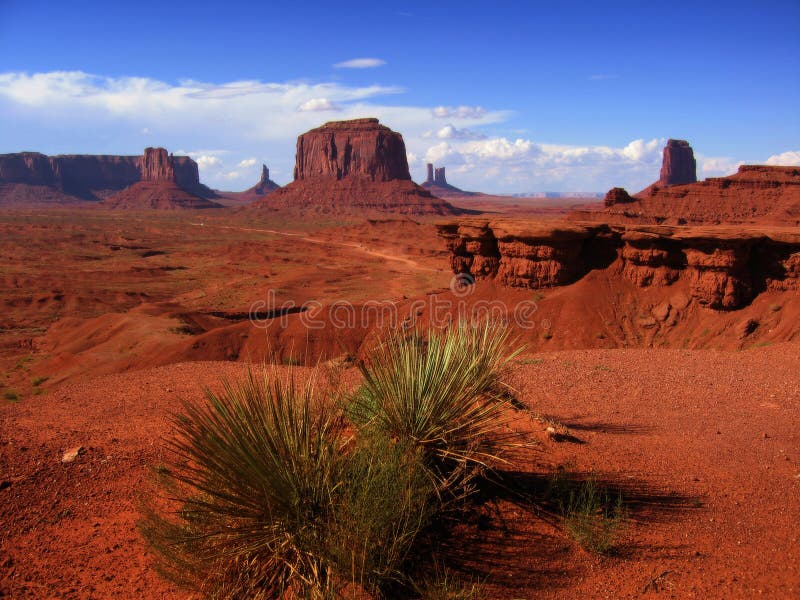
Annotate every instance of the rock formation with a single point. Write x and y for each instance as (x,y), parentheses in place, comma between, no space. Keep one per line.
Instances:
(358,148)
(265,185)
(617,195)
(756,194)
(358,164)
(436,182)
(723,269)
(158,187)
(678,165)
(156,165)
(78,177)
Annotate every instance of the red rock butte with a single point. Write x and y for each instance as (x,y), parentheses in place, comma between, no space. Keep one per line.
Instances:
(756,195)
(158,188)
(357,164)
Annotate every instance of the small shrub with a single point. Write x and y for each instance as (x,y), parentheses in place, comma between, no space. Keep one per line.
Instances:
(774,307)
(37,381)
(255,471)
(593,519)
(443,395)
(547,335)
(11,396)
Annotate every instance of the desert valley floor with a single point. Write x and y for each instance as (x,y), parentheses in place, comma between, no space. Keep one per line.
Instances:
(110,319)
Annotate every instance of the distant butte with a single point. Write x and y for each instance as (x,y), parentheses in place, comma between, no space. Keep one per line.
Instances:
(159,187)
(436,183)
(755,194)
(358,164)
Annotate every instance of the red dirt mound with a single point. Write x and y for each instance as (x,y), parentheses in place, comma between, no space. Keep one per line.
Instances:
(161,195)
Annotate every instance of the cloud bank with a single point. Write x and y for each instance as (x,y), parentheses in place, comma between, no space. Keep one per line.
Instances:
(231,128)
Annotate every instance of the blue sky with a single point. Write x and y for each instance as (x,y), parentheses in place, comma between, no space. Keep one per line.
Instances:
(511,97)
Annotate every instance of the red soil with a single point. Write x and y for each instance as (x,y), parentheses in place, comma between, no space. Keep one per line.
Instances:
(703,446)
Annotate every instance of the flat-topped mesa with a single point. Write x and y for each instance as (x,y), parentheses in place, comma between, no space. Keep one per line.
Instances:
(353,165)
(79,177)
(361,148)
(678,165)
(157,165)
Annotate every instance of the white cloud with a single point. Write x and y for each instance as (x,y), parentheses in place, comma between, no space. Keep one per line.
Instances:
(459,112)
(317,104)
(448,132)
(360,63)
(789,158)
(247,162)
(716,166)
(204,161)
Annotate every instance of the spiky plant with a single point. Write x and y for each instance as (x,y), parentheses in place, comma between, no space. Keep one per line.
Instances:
(254,471)
(443,394)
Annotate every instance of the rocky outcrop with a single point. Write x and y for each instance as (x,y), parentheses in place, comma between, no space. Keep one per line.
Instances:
(756,194)
(678,166)
(353,165)
(436,182)
(724,268)
(156,165)
(95,177)
(617,195)
(265,185)
(159,186)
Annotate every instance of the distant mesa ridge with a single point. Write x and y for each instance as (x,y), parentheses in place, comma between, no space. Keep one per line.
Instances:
(76,177)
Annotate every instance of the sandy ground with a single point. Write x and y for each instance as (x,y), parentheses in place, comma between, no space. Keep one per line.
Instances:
(704,446)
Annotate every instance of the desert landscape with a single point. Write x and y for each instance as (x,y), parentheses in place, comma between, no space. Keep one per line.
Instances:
(353,385)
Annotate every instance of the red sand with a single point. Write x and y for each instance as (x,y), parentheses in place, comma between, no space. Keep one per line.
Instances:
(703,444)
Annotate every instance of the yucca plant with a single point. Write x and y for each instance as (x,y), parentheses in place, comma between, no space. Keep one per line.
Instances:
(255,471)
(443,393)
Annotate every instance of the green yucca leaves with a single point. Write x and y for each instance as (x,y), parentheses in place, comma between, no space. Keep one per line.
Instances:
(275,501)
(258,465)
(443,393)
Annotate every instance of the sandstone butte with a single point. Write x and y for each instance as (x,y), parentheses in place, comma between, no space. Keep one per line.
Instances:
(436,183)
(158,187)
(755,195)
(357,165)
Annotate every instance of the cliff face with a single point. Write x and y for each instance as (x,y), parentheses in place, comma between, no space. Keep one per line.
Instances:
(678,165)
(345,149)
(353,165)
(724,269)
(94,177)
